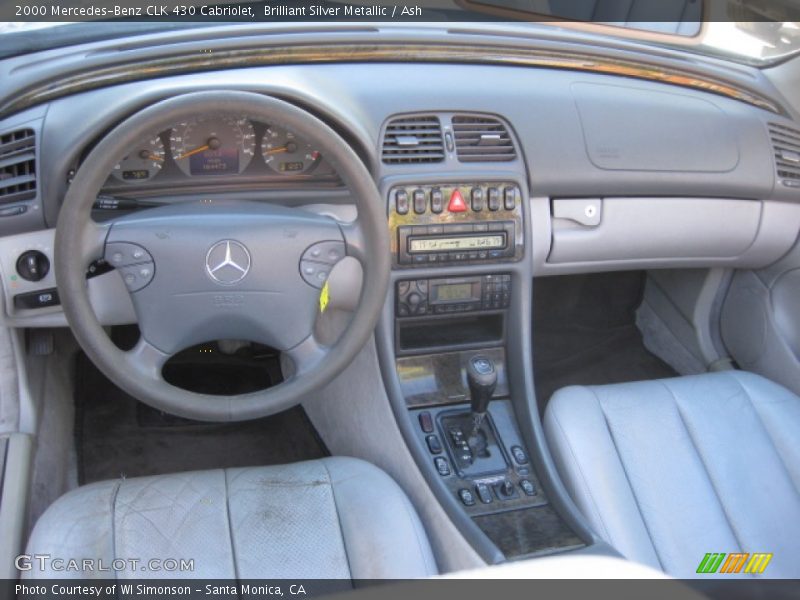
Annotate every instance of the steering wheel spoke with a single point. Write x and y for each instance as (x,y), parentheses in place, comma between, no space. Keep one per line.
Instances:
(306,356)
(146,359)
(355,243)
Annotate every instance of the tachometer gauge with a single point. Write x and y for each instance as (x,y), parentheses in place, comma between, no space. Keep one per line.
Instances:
(142,163)
(285,153)
(213,145)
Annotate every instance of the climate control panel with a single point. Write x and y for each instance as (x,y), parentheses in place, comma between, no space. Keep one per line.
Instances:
(435,224)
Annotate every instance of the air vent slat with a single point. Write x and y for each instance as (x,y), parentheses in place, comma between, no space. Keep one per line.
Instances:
(416,139)
(482,139)
(786,144)
(17,166)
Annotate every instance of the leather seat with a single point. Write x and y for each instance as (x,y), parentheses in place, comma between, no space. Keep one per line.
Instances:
(669,470)
(334,518)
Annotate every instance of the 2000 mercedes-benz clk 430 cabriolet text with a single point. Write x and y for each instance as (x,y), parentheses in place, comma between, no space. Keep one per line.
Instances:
(408,292)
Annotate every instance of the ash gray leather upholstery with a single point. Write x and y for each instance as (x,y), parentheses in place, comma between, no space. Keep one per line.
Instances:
(669,470)
(334,518)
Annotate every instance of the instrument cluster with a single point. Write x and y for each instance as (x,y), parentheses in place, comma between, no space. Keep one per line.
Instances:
(215,146)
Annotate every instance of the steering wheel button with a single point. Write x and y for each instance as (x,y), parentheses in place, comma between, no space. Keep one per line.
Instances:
(328,253)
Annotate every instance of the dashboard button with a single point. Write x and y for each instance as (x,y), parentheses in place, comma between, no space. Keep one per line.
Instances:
(40,299)
(437,201)
(494,199)
(456,203)
(420,202)
(510,198)
(477,199)
(401,202)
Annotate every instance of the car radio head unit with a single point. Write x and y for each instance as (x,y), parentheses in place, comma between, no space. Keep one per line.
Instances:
(455,223)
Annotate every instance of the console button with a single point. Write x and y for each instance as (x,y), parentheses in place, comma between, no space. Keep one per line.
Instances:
(527,487)
(510,198)
(401,202)
(519,455)
(420,202)
(437,201)
(434,445)
(494,199)
(426,421)
(466,497)
(477,199)
(442,466)
(484,493)
(456,203)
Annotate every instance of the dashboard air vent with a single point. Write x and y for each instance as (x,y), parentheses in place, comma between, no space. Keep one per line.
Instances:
(482,139)
(416,139)
(17,166)
(786,142)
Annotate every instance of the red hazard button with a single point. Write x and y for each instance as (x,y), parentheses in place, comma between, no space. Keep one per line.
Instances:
(457,203)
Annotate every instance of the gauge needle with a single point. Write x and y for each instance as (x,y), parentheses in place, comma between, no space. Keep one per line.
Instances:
(145,154)
(193,152)
(278,150)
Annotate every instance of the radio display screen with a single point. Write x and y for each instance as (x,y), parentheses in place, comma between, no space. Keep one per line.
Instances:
(443,244)
(450,292)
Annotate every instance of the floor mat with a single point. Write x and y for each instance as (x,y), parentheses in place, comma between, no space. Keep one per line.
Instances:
(584,333)
(117,435)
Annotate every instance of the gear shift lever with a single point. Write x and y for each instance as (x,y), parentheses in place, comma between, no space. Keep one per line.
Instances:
(482,379)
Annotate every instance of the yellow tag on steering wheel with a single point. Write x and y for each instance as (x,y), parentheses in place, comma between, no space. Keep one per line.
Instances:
(324,297)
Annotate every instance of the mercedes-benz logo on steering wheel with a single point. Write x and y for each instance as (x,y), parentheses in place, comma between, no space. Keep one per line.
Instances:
(227,262)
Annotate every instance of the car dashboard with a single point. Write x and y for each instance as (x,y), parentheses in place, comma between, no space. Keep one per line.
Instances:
(498,158)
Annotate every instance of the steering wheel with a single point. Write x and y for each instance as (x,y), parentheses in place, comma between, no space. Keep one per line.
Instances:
(204,271)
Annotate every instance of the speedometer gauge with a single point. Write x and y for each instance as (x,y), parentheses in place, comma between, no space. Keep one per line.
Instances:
(286,153)
(213,145)
(142,163)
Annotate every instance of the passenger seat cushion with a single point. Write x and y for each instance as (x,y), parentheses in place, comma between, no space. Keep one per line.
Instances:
(324,519)
(671,469)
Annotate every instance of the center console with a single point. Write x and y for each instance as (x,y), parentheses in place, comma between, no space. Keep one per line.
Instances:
(459,286)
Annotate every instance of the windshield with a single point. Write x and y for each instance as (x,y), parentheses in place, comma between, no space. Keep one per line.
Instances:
(761,41)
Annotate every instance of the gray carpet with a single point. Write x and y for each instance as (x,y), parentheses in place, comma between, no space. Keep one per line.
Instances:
(584,333)
(117,435)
